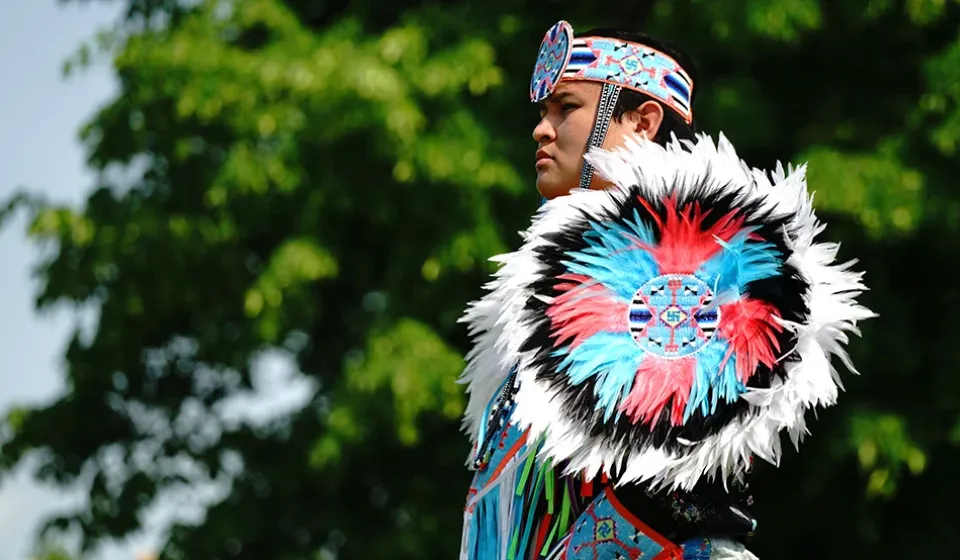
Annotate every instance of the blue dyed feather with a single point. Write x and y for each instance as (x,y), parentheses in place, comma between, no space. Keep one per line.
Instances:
(611,358)
(710,383)
(739,262)
(613,258)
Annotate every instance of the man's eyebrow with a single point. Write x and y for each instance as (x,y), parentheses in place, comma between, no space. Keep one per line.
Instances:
(556,98)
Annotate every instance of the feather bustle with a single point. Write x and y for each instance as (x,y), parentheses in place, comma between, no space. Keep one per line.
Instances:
(498,322)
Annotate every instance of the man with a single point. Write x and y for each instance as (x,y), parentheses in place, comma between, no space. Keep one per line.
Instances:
(586,112)
(658,328)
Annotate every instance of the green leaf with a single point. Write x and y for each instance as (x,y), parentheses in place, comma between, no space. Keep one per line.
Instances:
(884,448)
(882,194)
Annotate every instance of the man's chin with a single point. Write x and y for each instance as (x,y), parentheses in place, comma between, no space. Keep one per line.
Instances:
(549,187)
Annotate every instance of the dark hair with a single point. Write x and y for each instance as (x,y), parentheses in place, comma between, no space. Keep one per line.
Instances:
(629,99)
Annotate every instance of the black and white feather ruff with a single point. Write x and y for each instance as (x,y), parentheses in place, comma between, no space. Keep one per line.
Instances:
(669,328)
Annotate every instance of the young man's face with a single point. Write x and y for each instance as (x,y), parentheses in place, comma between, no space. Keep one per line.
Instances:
(567,118)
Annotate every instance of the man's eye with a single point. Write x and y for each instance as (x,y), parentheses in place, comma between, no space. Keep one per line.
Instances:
(567,107)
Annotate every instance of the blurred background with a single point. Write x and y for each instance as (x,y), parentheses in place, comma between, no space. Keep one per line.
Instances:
(237,235)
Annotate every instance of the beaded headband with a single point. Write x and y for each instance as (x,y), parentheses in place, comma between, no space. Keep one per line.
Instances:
(610,61)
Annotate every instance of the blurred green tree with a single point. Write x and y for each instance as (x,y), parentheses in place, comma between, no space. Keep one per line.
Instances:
(53,553)
(326,179)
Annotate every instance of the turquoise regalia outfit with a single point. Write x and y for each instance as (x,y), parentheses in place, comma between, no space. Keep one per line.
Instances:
(646,343)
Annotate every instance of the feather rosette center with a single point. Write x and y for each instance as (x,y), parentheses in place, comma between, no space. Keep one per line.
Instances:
(654,310)
(673,316)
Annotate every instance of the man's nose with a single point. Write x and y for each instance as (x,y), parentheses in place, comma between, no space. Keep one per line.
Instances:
(543,132)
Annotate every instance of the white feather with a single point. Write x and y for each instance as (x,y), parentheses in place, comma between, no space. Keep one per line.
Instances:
(724,549)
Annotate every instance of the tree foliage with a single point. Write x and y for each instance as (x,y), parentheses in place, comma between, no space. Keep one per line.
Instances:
(326,179)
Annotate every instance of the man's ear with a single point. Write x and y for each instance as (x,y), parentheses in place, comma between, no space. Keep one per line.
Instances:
(645,120)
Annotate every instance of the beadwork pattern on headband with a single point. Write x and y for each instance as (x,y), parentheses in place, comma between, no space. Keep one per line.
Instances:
(600,59)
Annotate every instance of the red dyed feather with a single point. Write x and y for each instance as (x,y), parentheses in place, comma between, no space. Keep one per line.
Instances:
(750,326)
(585,309)
(684,244)
(657,382)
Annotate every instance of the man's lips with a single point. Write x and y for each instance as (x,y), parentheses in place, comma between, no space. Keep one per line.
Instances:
(543,158)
